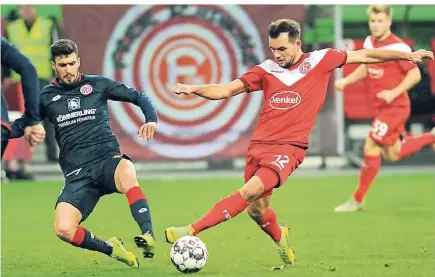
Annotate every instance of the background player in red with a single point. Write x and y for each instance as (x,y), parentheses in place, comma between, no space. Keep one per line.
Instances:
(294,86)
(390,82)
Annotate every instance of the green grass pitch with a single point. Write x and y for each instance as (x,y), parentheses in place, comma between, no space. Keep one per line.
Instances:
(394,236)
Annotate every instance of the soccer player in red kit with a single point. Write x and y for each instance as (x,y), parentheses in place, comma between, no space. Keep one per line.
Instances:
(390,82)
(294,86)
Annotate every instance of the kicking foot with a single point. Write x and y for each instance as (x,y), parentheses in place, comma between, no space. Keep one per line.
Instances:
(147,243)
(172,234)
(349,206)
(283,246)
(121,254)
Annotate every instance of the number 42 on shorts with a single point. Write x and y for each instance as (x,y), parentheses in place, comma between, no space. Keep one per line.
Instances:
(281,160)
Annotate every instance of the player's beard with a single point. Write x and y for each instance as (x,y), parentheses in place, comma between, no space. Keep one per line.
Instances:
(289,64)
(62,79)
(292,59)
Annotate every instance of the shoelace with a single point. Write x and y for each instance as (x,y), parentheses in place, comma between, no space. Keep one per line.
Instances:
(123,260)
(282,252)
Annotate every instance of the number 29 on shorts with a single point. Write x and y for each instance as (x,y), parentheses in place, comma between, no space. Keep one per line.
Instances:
(379,128)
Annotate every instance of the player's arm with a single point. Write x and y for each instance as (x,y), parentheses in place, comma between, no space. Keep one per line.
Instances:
(19,125)
(369,56)
(6,71)
(412,77)
(357,75)
(250,81)
(213,91)
(12,58)
(33,133)
(117,91)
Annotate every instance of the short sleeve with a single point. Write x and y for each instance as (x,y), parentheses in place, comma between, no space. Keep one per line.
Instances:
(367,43)
(405,66)
(253,79)
(334,59)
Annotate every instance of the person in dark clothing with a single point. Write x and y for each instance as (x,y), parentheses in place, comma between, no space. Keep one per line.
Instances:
(90,157)
(12,58)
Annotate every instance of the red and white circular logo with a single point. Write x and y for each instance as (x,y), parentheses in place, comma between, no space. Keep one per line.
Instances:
(154,47)
(305,67)
(86,89)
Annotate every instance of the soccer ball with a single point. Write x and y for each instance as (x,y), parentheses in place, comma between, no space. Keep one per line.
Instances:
(189,254)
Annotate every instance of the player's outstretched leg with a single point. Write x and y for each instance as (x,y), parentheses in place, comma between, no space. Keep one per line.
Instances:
(368,172)
(413,144)
(67,228)
(223,210)
(126,182)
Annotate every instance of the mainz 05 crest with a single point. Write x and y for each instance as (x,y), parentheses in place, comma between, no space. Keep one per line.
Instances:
(154,47)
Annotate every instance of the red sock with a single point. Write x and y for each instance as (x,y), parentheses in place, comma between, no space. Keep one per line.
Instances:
(134,194)
(269,224)
(83,238)
(411,145)
(79,236)
(368,172)
(223,210)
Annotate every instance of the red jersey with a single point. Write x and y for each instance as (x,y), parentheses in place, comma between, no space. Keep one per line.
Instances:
(388,75)
(292,96)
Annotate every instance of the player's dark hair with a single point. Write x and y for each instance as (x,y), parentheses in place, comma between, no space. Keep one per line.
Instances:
(284,25)
(63,47)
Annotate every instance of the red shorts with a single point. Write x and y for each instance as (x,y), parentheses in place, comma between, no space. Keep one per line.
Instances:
(389,124)
(283,158)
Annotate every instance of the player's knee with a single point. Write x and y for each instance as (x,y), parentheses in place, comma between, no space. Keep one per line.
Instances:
(252,190)
(65,230)
(392,156)
(393,152)
(125,176)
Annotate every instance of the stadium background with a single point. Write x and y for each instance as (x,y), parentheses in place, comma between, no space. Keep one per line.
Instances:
(152,47)
(392,237)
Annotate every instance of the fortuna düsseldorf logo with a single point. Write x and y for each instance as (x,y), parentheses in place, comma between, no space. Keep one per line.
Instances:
(154,47)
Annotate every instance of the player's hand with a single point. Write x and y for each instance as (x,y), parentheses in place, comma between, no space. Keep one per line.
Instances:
(34,135)
(183,89)
(387,95)
(418,56)
(340,84)
(147,130)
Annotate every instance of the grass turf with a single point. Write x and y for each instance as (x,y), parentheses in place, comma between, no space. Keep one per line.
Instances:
(393,236)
